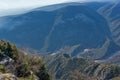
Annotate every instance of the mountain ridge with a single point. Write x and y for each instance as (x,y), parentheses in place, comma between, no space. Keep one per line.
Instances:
(58,28)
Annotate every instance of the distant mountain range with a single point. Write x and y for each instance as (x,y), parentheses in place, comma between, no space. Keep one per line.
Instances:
(76,26)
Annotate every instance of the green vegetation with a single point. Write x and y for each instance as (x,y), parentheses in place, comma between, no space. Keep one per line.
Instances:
(24,66)
(2,69)
(8,49)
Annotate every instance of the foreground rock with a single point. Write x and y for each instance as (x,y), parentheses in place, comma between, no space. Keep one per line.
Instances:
(8,76)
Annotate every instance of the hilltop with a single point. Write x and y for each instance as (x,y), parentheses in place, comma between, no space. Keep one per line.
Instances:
(16,65)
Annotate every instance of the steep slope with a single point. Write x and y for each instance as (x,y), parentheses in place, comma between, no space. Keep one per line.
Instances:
(62,67)
(28,29)
(114,59)
(50,31)
(111,12)
(108,49)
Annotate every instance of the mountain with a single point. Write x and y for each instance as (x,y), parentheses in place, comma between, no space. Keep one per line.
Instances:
(78,41)
(50,31)
(17,65)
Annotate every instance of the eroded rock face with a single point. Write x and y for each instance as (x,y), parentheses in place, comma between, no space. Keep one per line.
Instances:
(64,68)
(112,14)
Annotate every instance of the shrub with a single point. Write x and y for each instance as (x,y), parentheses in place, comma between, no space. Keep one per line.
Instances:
(42,74)
(23,70)
(8,49)
(2,69)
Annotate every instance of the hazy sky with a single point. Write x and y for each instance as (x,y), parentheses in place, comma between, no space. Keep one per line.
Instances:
(13,6)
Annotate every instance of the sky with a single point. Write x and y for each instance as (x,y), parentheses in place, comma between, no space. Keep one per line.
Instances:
(18,6)
(9,7)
